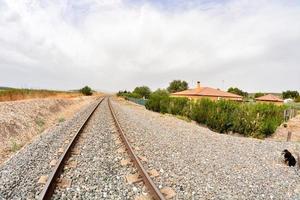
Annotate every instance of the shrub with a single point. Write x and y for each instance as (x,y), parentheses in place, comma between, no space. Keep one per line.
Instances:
(158,100)
(131,95)
(217,115)
(164,105)
(177,105)
(122,93)
(200,110)
(137,94)
(268,126)
(225,114)
(256,120)
(87,91)
(246,121)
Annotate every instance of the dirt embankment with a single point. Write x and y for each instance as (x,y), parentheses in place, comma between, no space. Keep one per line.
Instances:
(15,94)
(21,121)
(293,126)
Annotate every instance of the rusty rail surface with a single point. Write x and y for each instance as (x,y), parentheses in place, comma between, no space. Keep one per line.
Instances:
(155,192)
(55,174)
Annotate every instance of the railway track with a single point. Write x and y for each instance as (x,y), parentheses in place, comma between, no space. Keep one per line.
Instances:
(52,181)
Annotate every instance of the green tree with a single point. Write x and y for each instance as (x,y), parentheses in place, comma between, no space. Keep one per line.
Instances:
(86,91)
(290,94)
(258,94)
(142,91)
(237,91)
(177,86)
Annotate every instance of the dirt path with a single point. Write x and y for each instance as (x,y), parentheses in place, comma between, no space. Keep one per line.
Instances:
(21,121)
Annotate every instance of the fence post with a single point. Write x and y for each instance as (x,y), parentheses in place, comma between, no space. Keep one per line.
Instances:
(289,136)
(285,115)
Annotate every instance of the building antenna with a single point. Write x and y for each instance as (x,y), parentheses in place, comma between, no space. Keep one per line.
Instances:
(223,85)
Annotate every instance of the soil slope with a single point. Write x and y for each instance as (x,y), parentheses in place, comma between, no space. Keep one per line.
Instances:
(21,121)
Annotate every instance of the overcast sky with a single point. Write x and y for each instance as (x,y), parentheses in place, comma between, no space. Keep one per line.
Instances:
(114,44)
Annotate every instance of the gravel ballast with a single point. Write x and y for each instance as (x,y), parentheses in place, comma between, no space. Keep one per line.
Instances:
(201,164)
(19,175)
(99,174)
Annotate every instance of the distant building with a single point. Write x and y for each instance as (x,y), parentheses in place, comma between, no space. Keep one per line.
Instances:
(207,92)
(269,98)
(289,100)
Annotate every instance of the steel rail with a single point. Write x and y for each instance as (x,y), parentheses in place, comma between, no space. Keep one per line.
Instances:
(155,192)
(50,185)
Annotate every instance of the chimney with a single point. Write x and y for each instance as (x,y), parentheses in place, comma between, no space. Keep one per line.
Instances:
(198,86)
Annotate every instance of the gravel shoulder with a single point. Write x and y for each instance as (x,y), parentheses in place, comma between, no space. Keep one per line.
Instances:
(20,174)
(201,164)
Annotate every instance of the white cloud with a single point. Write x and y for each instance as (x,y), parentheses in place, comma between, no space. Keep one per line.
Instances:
(114,45)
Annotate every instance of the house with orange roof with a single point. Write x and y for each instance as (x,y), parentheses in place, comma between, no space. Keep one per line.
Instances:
(269,98)
(207,92)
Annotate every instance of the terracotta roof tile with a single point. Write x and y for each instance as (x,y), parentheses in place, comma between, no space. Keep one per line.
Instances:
(269,97)
(207,91)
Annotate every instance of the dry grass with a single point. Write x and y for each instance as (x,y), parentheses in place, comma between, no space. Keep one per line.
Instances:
(19,94)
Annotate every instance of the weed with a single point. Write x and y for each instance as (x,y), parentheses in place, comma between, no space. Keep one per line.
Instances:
(184,118)
(61,119)
(15,146)
(40,122)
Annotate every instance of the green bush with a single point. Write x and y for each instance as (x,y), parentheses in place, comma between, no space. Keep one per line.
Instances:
(255,120)
(131,95)
(268,126)
(177,105)
(158,100)
(221,116)
(87,91)
(245,121)
(200,110)
(164,105)
(122,93)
